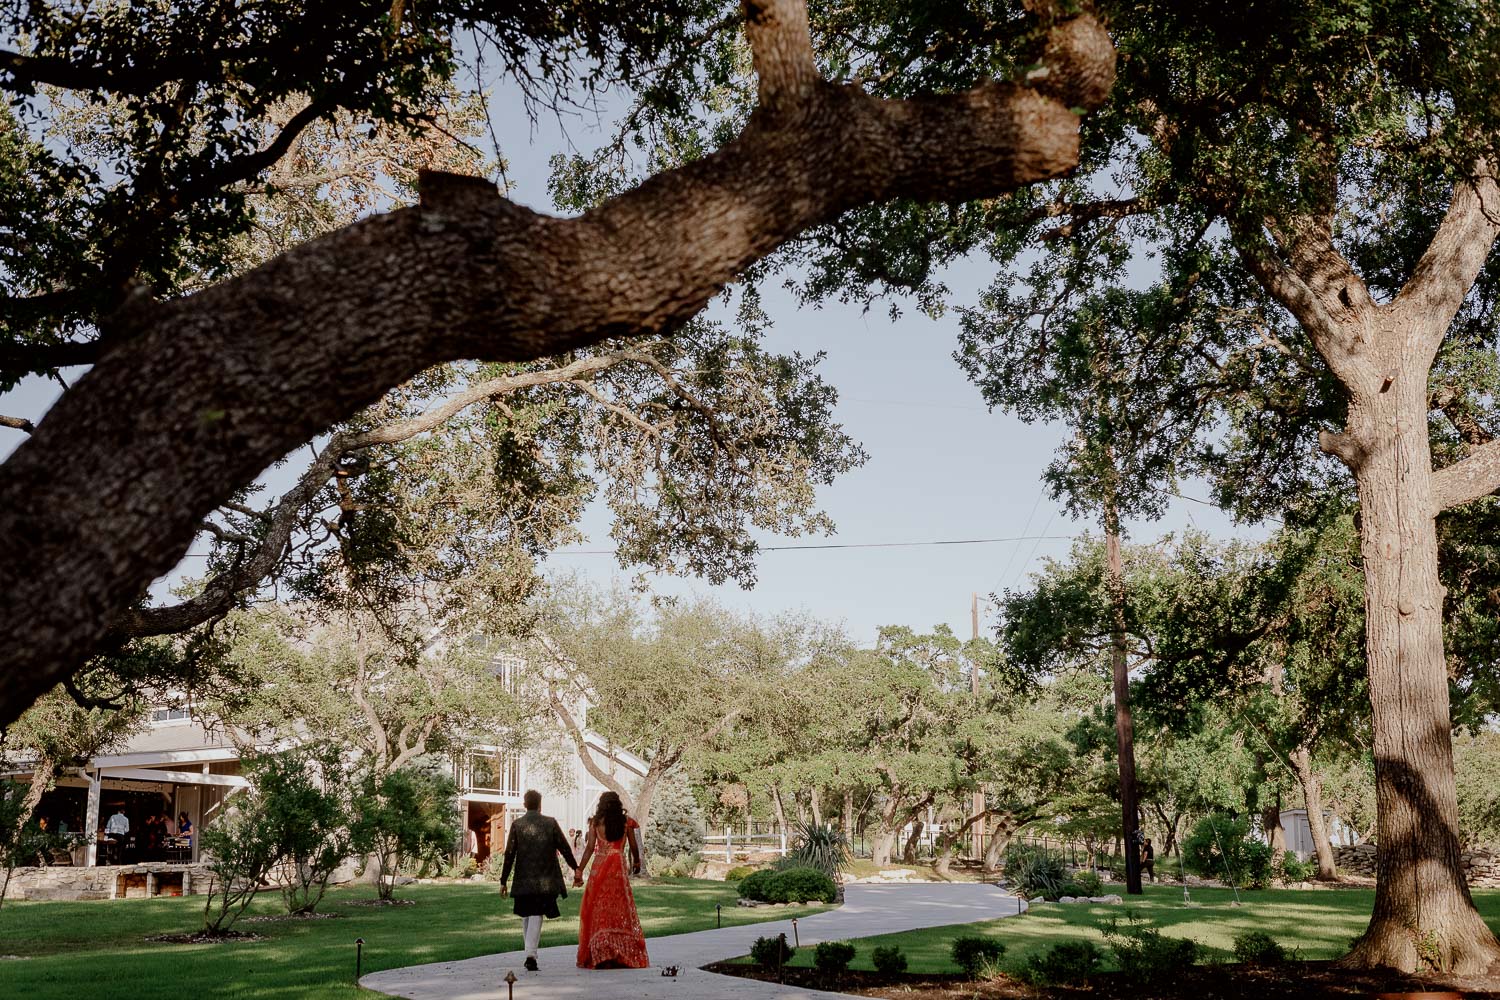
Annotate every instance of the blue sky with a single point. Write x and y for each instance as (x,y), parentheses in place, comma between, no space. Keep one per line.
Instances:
(941,466)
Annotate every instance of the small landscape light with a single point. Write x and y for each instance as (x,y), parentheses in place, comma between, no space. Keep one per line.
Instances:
(796,938)
(718,914)
(359,958)
(510,983)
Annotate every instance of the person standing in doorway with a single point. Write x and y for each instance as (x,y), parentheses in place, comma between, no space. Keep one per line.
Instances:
(531,851)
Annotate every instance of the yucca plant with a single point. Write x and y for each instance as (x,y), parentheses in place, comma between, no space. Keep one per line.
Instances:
(821,848)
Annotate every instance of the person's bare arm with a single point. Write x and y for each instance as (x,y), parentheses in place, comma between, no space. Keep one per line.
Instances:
(635,849)
(588,852)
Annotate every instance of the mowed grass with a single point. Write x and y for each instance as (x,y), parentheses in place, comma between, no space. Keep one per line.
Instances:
(71,951)
(1318,923)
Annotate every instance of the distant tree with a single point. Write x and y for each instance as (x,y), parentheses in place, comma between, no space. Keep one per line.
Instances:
(305,804)
(403,816)
(664,684)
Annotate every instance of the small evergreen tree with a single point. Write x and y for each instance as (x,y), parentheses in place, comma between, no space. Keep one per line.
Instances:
(676,821)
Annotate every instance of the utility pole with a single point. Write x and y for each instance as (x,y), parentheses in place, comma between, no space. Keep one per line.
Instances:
(978,803)
(1124,730)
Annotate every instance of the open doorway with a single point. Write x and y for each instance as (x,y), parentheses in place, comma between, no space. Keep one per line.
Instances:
(487,822)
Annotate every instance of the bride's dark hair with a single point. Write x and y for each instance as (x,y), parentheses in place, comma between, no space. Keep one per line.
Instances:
(611,813)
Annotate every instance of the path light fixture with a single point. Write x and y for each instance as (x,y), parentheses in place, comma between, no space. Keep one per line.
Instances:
(510,984)
(718,914)
(796,938)
(780,955)
(359,958)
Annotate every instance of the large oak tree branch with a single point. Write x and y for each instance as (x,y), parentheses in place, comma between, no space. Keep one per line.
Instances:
(202,393)
(1454,258)
(223,590)
(1476,475)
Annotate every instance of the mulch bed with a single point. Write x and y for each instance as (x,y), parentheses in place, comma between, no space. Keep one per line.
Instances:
(272,918)
(201,937)
(381,902)
(1297,981)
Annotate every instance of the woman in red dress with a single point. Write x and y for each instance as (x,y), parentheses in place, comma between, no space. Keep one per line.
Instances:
(609,931)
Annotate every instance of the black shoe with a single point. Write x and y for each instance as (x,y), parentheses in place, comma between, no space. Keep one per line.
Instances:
(530,964)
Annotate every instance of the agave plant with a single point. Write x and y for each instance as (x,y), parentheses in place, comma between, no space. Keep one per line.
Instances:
(822,848)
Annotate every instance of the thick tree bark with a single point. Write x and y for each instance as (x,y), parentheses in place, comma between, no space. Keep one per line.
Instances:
(1312,797)
(883,846)
(195,397)
(849,815)
(1383,355)
(815,803)
(1423,912)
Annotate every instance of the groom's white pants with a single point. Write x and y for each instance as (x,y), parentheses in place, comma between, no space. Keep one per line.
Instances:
(531,929)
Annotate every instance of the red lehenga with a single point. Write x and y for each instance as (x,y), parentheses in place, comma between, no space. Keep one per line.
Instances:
(609,930)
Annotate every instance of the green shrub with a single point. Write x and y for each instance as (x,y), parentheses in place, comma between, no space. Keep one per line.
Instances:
(681,866)
(1294,869)
(465,867)
(971,953)
(1258,948)
(1067,962)
(763,951)
(493,866)
(888,961)
(1223,848)
(1144,954)
(1085,883)
(758,886)
(805,885)
(1035,871)
(833,956)
(738,872)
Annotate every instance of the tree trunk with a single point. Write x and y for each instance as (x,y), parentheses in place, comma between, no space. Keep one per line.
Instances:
(816,803)
(1312,797)
(1124,730)
(1423,916)
(849,815)
(41,777)
(909,852)
(882,847)
(1270,820)
(780,810)
(641,813)
(996,843)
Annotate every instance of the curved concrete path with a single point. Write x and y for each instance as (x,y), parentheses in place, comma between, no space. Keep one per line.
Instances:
(867,910)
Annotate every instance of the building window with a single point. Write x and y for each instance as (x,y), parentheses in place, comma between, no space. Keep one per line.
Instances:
(507,667)
(161,715)
(494,772)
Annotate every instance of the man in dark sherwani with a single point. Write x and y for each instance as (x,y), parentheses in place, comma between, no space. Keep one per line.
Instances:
(532,848)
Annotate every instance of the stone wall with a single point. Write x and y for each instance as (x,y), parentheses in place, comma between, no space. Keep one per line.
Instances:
(1480,867)
(107,881)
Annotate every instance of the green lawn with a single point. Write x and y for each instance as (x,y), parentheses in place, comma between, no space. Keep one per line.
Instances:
(1317,922)
(74,951)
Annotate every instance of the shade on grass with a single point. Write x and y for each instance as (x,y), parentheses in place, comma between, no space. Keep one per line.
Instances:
(98,949)
(1318,923)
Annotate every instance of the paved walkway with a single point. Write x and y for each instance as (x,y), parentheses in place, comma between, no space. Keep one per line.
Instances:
(867,910)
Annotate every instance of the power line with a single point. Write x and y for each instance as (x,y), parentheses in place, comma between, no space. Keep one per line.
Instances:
(853,545)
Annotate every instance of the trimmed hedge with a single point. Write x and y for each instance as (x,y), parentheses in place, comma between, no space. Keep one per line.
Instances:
(797,885)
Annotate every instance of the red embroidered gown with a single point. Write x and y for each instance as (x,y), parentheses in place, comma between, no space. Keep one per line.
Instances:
(609,930)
